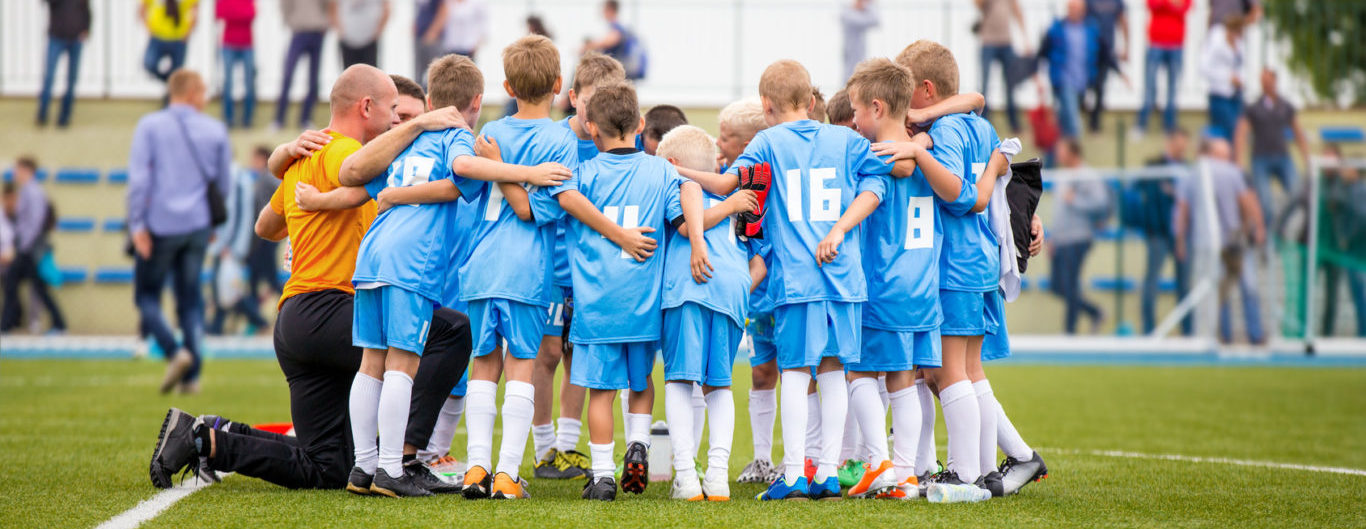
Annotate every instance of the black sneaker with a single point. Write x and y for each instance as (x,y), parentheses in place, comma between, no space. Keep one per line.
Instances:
(992,482)
(175,449)
(603,488)
(558,465)
(946,477)
(635,475)
(422,475)
(403,486)
(1017,474)
(359,482)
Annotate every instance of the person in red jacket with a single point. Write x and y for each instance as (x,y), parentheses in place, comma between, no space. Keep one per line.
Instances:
(237,16)
(1166,32)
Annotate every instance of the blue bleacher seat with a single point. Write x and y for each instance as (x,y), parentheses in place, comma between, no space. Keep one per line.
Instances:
(76,224)
(1342,134)
(112,224)
(1110,233)
(41,174)
(114,275)
(1124,284)
(77,175)
(117,176)
(1166,285)
(73,274)
(1045,283)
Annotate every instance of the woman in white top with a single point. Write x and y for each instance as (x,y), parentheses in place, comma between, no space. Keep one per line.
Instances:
(462,25)
(1222,65)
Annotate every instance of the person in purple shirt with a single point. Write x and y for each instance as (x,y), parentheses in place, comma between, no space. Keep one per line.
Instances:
(177,153)
(32,222)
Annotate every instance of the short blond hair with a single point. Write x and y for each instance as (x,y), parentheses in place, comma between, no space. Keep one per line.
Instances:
(883,80)
(746,116)
(532,66)
(817,111)
(787,85)
(184,81)
(838,109)
(453,81)
(690,146)
(931,61)
(596,69)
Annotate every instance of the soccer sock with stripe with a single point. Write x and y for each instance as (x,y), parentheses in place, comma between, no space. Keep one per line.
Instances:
(926,452)
(866,405)
(905,406)
(962,418)
(793,410)
(567,432)
(679,413)
(480,413)
(444,431)
(395,398)
(519,405)
(986,403)
(364,411)
(763,409)
(834,394)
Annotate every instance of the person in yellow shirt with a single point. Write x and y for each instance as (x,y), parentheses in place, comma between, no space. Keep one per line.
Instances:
(169,23)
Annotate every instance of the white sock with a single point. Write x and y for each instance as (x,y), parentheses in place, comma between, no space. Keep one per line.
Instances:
(364,408)
(763,409)
(394,400)
(444,432)
(987,407)
(813,427)
(603,465)
(926,451)
(480,413)
(886,404)
(699,414)
(542,439)
(519,404)
(794,415)
(853,437)
(567,433)
(721,425)
(1009,439)
(865,403)
(625,398)
(638,427)
(963,420)
(905,406)
(679,413)
(834,392)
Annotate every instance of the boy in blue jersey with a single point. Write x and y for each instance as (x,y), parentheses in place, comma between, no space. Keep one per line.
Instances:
(555,444)
(615,199)
(703,323)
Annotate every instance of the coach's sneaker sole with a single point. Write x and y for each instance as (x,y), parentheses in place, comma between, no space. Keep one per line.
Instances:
(780,490)
(635,473)
(715,486)
(1016,474)
(874,481)
(402,486)
(175,449)
(507,488)
(601,489)
(359,482)
(477,483)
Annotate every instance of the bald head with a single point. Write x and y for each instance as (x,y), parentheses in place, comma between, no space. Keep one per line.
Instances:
(359,82)
(364,100)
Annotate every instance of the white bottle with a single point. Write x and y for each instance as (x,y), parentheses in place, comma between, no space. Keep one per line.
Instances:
(661,452)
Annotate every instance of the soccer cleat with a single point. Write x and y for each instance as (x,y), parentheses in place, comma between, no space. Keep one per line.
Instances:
(1016,474)
(506,488)
(687,490)
(906,490)
(558,465)
(828,490)
(716,487)
(359,482)
(477,483)
(850,472)
(874,481)
(780,490)
(760,183)
(991,481)
(635,475)
(580,460)
(449,468)
(810,470)
(424,476)
(175,449)
(758,471)
(603,488)
(176,367)
(403,486)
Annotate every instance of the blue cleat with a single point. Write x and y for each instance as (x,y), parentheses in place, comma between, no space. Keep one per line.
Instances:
(779,490)
(827,490)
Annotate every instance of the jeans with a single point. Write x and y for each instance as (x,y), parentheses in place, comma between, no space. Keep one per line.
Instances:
(246,57)
(1263,168)
(1005,55)
(1068,259)
(182,258)
(55,48)
(1239,269)
(367,54)
(1356,288)
(302,43)
(1170,59)
(1097,88)
(1223,114)
(1069,111)
(1160,247)
(157,50)
(25,268)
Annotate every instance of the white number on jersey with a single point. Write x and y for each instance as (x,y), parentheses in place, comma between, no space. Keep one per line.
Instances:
(410,171)
(627,217)
(919,223)
(495,204)
(977,170)
(825,202)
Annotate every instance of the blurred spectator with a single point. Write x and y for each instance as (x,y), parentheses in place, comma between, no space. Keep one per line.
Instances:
(1156,204)
(1072,48)
(994,31)
(619,43)
(359,24)
(229,250)
(33,220)
(263,264)
(1267,119)
(463,25)
(1222,65)
(177,153)
(6,232)
(169,22)
(237,17)
(1166,36)
(855,21)
(1342,239)
(426,41)
(308,20)
(1219,10)
(1238,225)
(1108,16)
(67,27)
(1083,207)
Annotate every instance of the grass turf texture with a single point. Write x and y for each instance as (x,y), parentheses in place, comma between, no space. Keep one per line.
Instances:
(75,437)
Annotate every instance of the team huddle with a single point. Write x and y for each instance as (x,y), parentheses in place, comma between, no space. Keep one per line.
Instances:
(861,256)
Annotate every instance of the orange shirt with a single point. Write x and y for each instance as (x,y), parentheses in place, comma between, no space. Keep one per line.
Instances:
(324,243)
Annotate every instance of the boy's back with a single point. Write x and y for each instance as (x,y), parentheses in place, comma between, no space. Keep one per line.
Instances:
(727,291)
(970,260)
(903,238)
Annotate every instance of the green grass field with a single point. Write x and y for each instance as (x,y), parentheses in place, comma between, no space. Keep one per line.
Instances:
(75,437)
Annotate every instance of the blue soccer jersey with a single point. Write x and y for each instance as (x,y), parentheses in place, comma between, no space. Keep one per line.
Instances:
(817,171)
(727,291)
(970,259)
(901,258)
(587,151)
(616,298)
(408,246)
(466,220)
(758,299)
(511,258)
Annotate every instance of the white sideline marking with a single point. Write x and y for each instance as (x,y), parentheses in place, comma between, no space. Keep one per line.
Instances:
(1217,460)
(151,507)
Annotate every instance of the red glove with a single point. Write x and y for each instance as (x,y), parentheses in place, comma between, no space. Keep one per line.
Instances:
(742,219)
(760,182)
